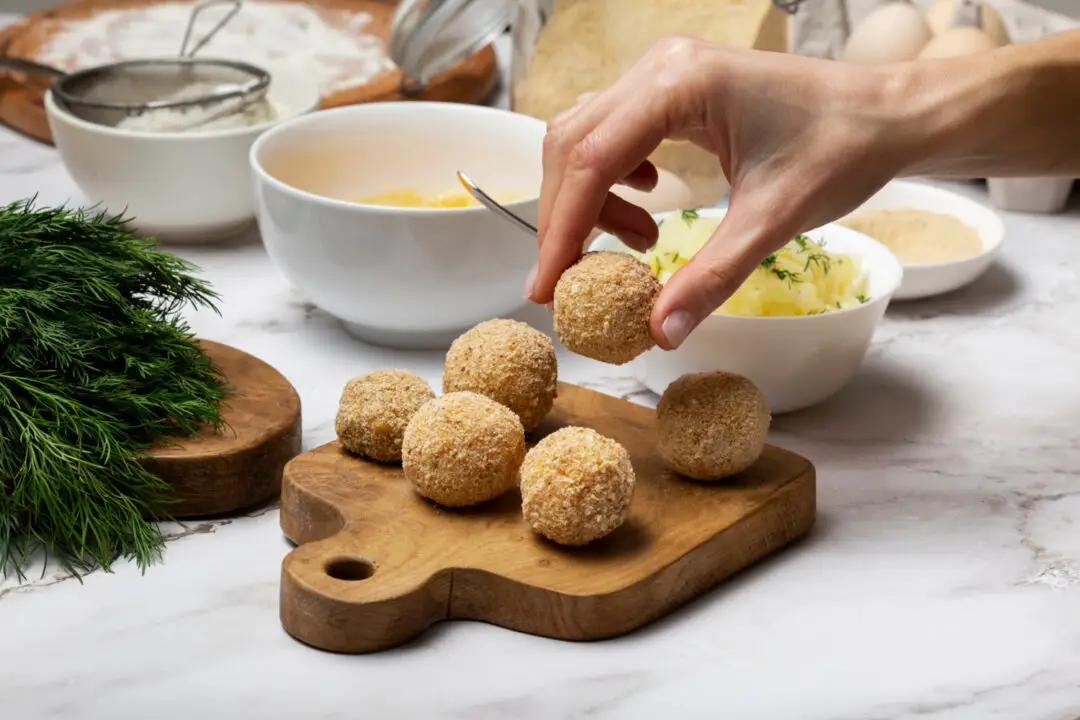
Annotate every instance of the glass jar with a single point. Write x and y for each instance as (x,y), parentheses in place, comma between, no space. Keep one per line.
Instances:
(563,48)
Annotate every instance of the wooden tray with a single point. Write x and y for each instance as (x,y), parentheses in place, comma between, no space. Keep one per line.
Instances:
(21,99)
(241,466)
(378,564)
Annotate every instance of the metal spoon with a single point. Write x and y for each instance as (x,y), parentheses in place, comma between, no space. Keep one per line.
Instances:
(487,201)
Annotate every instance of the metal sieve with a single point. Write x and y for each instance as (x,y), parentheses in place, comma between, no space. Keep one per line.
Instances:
(109,93)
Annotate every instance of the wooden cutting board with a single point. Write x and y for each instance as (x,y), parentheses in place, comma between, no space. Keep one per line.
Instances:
(22,98)
(241,466)
(377,564)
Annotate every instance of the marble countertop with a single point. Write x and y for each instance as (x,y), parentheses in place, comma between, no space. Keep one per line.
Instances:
(941,581)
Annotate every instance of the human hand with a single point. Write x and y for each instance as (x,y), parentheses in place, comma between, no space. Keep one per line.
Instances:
(801,141)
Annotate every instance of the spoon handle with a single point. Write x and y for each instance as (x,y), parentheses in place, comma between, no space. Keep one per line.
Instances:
(487,201)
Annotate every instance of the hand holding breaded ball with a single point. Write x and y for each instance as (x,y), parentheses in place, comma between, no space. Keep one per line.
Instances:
(602,307)
(712,425)
(375,409)
(576,486)
(509,362)
(462,449)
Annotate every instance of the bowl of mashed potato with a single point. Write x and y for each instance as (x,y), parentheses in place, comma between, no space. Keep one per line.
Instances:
(798,327)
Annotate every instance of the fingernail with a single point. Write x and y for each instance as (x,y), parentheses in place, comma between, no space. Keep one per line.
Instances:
(550,306)
(530,282)
(677,326)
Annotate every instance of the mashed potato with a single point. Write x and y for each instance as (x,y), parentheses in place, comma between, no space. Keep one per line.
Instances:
(801,278)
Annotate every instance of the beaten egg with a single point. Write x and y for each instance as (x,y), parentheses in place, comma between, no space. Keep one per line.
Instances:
(407,197)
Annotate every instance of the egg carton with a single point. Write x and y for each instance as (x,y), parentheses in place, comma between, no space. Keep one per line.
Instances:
(820,28)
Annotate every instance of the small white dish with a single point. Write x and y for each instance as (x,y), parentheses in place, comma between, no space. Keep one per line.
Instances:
(1046,196)
(399,276)
(797,362)
(181,187)
(922,280)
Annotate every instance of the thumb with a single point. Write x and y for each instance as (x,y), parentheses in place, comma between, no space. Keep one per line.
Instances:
(743,239)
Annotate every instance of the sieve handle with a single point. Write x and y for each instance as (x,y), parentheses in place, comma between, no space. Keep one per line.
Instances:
(199,7)
(30,67)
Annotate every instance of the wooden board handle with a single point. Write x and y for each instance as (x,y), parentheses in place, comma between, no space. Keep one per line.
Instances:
(332,589)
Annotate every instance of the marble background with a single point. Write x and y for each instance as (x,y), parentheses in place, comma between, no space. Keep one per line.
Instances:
(942,580)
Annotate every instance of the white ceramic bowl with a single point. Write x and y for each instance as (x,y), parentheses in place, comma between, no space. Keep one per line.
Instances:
(795,361)
(923,280)
(182,187)
(396,276)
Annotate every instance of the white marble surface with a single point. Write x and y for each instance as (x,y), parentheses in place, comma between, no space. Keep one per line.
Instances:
(942,580)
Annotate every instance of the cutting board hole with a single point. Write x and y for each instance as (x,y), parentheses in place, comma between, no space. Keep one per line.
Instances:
(350,569)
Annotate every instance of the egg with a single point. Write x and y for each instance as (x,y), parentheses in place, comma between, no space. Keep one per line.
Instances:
(958,41)
(895,32)
(940,15)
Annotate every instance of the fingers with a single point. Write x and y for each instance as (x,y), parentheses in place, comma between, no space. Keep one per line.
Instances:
(553,160)
(644,177)
(628,222)
(744,238)
(608,141)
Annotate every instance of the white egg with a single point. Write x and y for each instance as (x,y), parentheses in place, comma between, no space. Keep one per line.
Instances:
(895,32)
(956,42)
(939,17)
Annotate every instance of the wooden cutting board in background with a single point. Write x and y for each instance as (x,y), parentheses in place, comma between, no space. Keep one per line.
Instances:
(377,564)
(241,466)
(21,99)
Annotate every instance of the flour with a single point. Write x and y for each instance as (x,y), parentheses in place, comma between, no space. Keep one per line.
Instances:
(329,46)
(201,118)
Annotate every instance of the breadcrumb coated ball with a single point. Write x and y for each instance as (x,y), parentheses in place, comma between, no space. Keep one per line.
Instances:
(509,362)
(712,425)
(602,307)
(462,449)
(375,409)
(576,486)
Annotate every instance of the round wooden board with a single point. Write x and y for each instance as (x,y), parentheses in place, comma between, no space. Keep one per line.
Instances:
(22,99)
(377,564)
(241,466)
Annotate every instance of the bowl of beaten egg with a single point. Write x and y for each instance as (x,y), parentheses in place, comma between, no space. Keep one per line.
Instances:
(361,209)
(799,327)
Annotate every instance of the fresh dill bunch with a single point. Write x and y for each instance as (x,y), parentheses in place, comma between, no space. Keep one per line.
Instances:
(96,365)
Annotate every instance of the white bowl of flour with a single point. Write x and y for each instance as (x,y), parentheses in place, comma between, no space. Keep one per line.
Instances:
(178,181)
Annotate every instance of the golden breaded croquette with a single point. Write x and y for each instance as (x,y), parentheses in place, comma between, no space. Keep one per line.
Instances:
(602,307)
(712,425)
(462,449)
(576,486)
(374,410)
(509,362)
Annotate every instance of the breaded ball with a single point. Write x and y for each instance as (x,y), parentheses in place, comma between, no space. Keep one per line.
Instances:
(463,449)
(509,362)
(576,486)
(374,410)
(602,307)
(712,425)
